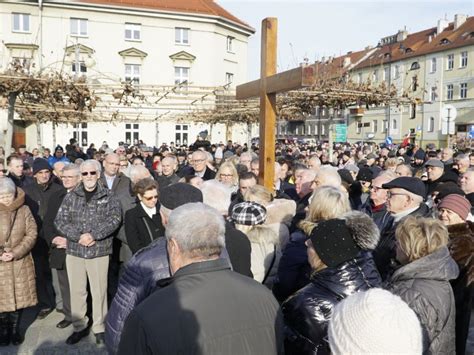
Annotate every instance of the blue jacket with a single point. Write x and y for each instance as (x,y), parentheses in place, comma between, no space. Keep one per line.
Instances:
(139,278)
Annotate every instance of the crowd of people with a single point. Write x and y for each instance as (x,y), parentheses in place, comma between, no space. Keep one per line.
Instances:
(179,249)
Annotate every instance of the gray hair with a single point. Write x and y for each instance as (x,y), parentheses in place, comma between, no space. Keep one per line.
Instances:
(330,176)
(72,167)
(198,230)
(138,172)
(92,162)
(216,195)
(388,174)
(7,186)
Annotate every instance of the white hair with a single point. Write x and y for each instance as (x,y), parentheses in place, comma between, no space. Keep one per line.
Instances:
(72,167)
(138,172)
(7,186)
(329,175)
(217,195)
(92,162)
(198,229)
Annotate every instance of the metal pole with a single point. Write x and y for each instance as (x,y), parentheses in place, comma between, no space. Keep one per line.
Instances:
(449,135)
(11,115)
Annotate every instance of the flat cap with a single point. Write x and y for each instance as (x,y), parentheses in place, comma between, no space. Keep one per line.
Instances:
(175,195)
(411,184)
(435,162)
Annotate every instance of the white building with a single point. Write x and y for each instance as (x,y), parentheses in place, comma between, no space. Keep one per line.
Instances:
(146,42)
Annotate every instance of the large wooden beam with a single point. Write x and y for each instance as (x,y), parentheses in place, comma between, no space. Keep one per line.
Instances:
(292,79)
(267,103)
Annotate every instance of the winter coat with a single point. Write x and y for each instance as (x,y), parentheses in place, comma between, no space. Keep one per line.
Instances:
(140,229)
(205,308)
(279,215)
(239,248)
(265,257)
(424,285)
(164,181)
(382,218)
(21,181)
(53,160)
(100,217)
(17,286)
(120,186)
(307,312)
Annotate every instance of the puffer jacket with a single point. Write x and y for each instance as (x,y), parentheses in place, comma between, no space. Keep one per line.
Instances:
(17,286)
(100,217)
(307,312)
(424,285)
(138,280)
(265,256)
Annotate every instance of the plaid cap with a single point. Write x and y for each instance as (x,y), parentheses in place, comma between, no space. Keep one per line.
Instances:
(249,213)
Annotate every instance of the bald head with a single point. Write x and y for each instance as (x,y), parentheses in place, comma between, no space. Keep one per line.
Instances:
(111,164)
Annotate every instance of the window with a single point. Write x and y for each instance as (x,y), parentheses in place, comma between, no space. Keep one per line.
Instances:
(433,65)
(358,128)
(412,111)
(80,133)
(359,78)
(21,22)
(396,73)
(132,31)
(374,126)
(463,63)
(181,35)
(132,133)
(229,78)
(415,66)
(132,73)
(450,62)
(78,27)
(449,92)
(181,134)
(230,42)
(431,124)
(384,126)
(414,83)
(181,76)
(433,94)
(386,74)
(375,76)
(82,68)
(394,124)
(463,90)
(444,41)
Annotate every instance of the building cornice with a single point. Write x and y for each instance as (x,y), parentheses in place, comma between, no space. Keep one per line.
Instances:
(133,52)
(82,49)
(30,46)
(183,55)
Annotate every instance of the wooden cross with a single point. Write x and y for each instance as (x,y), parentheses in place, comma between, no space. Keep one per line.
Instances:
(266,88)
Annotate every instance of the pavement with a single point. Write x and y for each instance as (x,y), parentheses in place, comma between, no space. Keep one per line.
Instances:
(43,338)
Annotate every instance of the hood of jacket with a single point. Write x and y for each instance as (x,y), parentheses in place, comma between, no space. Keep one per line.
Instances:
(280,211)
(18,201)
(438,265)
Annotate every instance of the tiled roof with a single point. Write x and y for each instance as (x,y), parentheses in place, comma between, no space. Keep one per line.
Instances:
(334,67)
(205,7)
(422,43)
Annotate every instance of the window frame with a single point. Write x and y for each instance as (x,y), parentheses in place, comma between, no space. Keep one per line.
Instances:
(184,40)
(463,90)
(229,44)
(228,76)
(133,77)
(463,59)
(133,28)
(449,92)
(450,62)
(433,65)
(78,27)
(431,124)
(21,22)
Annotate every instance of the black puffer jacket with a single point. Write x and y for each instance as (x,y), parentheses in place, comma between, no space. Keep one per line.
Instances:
(424,285)
(308,311)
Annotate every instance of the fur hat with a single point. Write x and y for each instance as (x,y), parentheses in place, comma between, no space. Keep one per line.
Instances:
(374,322)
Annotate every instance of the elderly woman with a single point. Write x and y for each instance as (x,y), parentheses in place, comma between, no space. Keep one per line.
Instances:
(453,212)
(17,238)
(143,223)
(423,280)
(227,174)
(293,272)
(339,252)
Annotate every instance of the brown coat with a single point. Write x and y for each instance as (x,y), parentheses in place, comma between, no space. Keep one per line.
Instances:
(461,246)
(17,277)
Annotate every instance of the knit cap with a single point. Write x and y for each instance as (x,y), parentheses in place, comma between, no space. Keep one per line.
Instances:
(374,322)
(456,203)
(249,213)
(40,164)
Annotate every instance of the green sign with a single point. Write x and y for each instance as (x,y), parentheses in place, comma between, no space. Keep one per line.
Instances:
(340,133)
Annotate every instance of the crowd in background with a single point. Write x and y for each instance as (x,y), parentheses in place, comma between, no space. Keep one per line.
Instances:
(179,249)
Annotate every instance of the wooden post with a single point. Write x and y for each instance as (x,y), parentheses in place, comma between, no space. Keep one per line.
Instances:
(267,103)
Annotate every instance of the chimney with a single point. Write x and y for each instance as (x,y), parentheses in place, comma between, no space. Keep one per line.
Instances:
(402,35)
(346,62)
(459,20)
(442,24)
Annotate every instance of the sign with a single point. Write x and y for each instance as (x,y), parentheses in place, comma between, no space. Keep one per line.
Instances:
(471,132)
(341,133)
(449,113)
(444,127)
(389,140)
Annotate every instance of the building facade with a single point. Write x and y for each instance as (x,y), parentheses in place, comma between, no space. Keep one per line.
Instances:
(112,41)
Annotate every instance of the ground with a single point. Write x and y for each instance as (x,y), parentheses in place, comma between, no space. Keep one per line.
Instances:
(43,338)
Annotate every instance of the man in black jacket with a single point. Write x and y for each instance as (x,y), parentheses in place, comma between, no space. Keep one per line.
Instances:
(204,307)
(38,196)
(200,168)
(15,171)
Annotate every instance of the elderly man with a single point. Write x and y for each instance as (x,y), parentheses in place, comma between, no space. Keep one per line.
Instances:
(466,182)
(405,197)
(314,163)
(461,163)
(168,168)
(15,171)
(246,159)
(327,176)
(255,166)
(438,173)
(199,164)
(304,184)
(205,307)
(71,177)
(38,195)
(146,267)
(404,170)
(88,217)
(447,157)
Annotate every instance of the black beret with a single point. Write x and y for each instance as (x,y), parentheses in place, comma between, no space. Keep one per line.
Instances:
(365,174)
(411,184)
(175,195)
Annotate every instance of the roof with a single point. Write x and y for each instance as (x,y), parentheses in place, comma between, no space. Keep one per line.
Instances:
(205,7)
(422,43)
(338,66)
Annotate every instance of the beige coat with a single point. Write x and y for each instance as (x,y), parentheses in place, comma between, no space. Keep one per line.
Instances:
(17,277)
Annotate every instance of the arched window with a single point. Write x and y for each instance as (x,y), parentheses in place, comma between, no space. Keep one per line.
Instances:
(445,41)
(415,66)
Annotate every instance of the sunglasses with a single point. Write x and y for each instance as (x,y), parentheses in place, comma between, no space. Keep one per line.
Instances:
(151,198)
(85,173)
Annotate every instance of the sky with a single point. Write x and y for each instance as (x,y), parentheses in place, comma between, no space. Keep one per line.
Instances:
(314,29)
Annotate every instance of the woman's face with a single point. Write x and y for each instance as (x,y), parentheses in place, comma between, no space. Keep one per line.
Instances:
(149,198)
(449,217)
(6,199)
(226,176)
(283,171)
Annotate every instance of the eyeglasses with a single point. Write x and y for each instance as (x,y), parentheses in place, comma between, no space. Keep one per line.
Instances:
(6,196)
(376,188)
(151,198)
(390,194)
(85,173)
(226,175)
(198,161)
